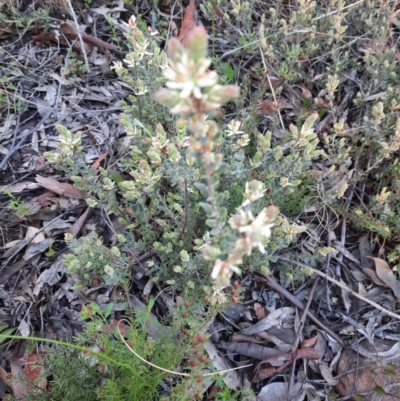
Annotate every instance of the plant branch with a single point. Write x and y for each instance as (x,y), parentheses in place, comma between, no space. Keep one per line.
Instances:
(186,211)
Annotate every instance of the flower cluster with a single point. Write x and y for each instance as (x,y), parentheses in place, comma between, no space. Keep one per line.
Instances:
(192,87)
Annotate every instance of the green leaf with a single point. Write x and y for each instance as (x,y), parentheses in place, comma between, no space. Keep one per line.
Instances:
(115,176)
(206,206)
(96,308)
(219,198)
(51,251)
(212,223)
(222,168)
(152,301)
(390,369)
(223,212)
(202,188)
(380,391)
(215,231)
(215,181)
(108,310)
(6,333)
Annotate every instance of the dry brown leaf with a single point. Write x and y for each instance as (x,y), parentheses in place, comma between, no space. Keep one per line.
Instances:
(273,319)
(251,350)
(70,37)
(280,362)
(385,273)
(327,373)
(72,34)
(265,373)
(33,370)
(189,22)
(283,358)
(51,37)
(30,233)
(267,108)
(231,378)
(259,310)
(19,387)
(306,93)
(59,188)
(310,342)
(279,392)
(44,199)
(19,187)
(96,164)
(76,227)
(372,275)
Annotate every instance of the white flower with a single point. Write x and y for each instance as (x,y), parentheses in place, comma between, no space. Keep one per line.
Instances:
(234,128)
(117,66)
(254,190)
(223,271)
(240,219)
(243,141)
(168,72)
(258,230)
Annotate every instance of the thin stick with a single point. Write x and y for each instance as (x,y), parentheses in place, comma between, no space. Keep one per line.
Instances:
(297,339)
(334,12)
(328,261)
(344,287)
(79,35)
(270,85)
(186,211)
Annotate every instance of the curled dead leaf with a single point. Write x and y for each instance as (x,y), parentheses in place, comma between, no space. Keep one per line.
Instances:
(373,276)
(385,273)
(96,164)
(76,227)
(327,373)
(59,188)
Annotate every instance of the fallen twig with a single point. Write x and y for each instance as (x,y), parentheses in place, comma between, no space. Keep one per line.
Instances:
(297,339)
